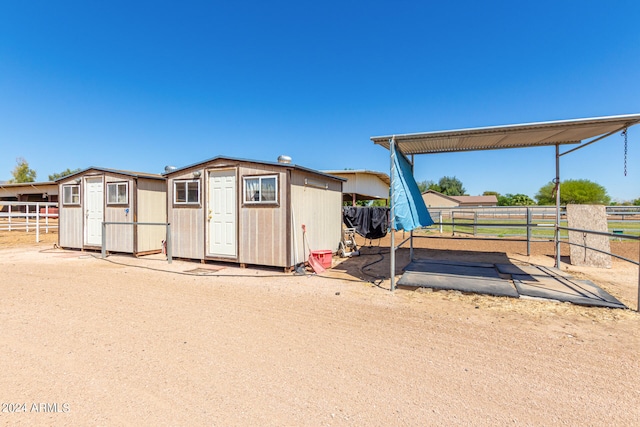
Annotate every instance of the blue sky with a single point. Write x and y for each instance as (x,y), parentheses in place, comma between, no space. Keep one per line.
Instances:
(141,85)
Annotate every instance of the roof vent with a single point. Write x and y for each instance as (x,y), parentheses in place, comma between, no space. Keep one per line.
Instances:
(284,159)
(169,169)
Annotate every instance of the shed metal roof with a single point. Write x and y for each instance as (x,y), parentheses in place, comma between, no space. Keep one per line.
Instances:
(115,171)
(538,134)
(259,162)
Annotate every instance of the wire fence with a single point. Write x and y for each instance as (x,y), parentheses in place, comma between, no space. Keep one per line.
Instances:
(532,222)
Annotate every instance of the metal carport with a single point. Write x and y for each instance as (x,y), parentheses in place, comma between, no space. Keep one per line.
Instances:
(580,132)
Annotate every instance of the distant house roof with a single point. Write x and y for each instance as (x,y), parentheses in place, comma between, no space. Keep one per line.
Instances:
(476,200)
(26,184)
(15,188)
(468,200)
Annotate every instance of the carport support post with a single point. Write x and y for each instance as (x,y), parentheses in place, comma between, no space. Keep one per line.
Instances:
(392,213)
(557,233)
(411,232)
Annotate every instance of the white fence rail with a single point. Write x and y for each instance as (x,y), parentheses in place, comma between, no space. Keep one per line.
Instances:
(28,217)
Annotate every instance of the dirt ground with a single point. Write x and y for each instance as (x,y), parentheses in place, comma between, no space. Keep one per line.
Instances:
(138,341)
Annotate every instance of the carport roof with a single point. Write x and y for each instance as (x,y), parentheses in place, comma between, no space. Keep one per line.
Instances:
(510,136)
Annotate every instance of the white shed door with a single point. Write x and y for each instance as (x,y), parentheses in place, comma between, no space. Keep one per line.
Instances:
(93,211)
(222,213)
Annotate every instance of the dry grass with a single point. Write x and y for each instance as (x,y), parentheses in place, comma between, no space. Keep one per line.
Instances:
(15,238)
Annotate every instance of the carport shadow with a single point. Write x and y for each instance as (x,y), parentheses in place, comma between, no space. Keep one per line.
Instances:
(372,265)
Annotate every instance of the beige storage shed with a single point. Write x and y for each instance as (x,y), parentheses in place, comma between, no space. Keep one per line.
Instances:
(96,195)
(252,212)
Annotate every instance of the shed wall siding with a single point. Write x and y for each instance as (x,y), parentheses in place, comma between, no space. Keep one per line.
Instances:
(70,220)
(119,238)
(320,210)
(70,226)
(187,222)
(151,207)
(262,230)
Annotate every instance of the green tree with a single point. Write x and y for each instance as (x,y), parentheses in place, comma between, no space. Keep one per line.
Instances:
(428,185)
(574,191)
(22,172)
(504,200)
(451,186)
(515,200)
(521,200)
(65,172)
(491,193)
(379,202)
(636,202)
(546,195)
(376,202)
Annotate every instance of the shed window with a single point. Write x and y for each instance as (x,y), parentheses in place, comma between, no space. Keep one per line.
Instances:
(186,192)
(70,194)
(117,193)
(261,189)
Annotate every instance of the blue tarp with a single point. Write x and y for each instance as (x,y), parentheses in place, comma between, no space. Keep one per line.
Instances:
(409,208)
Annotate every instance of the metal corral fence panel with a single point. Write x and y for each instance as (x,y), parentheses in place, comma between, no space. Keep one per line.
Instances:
(511,221)
(28,216)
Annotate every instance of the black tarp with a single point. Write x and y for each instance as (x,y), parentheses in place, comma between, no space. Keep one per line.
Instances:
(369,222)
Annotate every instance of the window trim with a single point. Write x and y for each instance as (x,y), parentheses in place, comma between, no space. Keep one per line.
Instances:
(186,193)
(118,183)
(71,187)
(260,178)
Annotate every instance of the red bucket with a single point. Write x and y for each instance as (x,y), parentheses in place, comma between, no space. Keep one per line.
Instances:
(323,256)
